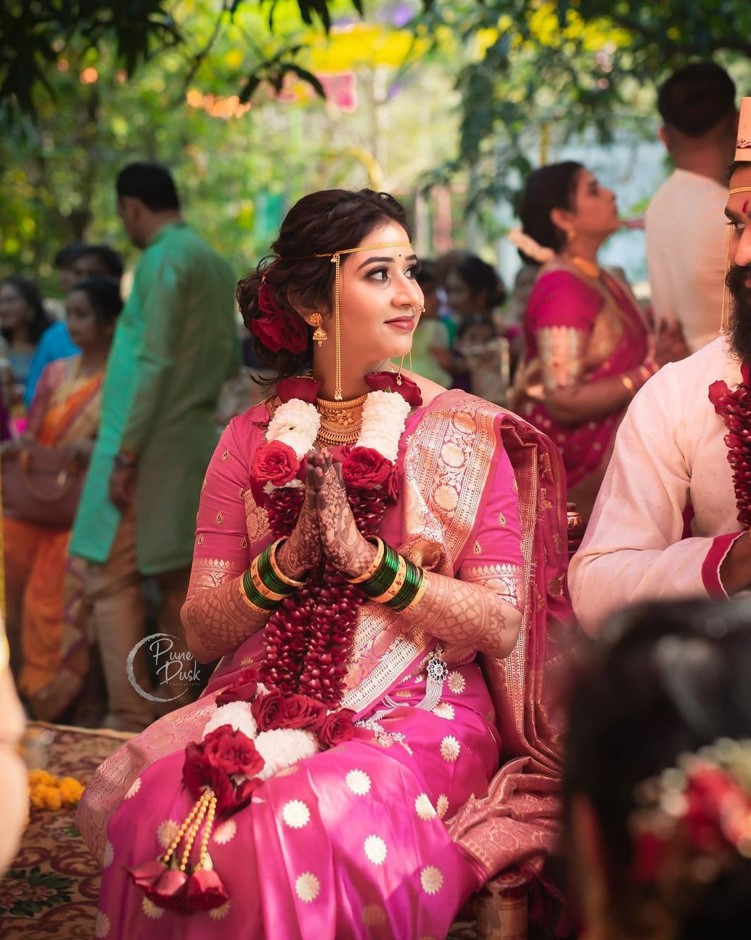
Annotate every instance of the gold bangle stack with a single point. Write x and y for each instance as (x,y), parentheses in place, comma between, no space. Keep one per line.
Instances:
(420,593)
(396,585)
(247,601)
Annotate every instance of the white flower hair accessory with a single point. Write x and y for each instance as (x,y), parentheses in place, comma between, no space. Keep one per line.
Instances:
(529,246)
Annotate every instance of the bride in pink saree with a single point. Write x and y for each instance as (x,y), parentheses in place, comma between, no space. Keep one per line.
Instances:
(387,606)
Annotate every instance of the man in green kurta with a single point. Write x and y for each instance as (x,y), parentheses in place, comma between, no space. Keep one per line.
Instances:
(175,345)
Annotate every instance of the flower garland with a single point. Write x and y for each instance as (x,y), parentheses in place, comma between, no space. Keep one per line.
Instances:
(700,809)
(734,408)
(46,791)
(269,719)
(308,638)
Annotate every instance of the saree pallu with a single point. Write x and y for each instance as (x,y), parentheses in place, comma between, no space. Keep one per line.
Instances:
(579,330)
(53,643)
(353,841)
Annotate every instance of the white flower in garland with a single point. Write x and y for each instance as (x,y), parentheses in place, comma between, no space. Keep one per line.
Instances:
(284,747)
(237,714)
(296,424)
(384,417)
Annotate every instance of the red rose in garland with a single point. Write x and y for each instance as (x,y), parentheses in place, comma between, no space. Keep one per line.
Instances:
(274,462)
(365,468)
(227,762)
(303,712)
(268,710)
(337,728)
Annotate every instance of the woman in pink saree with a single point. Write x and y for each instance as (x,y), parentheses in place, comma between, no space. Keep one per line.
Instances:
(589,346)
(363,566)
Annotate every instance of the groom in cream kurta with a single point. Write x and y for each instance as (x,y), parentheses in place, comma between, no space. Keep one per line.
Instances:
(670,456)
(670,452)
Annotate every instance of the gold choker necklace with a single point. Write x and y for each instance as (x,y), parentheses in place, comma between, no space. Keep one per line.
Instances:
(587,267)
(340,420)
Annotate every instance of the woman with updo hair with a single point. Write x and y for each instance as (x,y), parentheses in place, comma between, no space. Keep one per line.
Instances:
(589,346)
(657,782)
(360,549)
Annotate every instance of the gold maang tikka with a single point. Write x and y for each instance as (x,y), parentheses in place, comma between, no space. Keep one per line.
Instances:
(336,258)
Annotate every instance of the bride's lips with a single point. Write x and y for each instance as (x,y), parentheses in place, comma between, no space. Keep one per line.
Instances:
(407,324)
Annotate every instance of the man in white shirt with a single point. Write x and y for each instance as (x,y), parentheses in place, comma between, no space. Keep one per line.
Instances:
(685,225)
(682,455)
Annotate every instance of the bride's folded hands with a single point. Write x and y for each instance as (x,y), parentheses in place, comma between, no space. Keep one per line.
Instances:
(456,611)
(302,550)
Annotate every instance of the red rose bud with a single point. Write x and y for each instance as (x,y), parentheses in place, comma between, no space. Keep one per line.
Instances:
(146,875)
(392,382)
(304,387)
(205,891)
(243,689)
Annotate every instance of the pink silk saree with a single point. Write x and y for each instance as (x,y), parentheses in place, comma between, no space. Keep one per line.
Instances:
(578,330)
(354,841)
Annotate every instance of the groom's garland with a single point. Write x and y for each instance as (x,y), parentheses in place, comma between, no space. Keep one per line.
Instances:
(734,408)
(268,720)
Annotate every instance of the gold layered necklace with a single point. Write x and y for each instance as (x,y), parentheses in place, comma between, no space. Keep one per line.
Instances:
(340,420)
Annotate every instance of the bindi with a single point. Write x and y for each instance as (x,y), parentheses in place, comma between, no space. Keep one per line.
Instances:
(746,204)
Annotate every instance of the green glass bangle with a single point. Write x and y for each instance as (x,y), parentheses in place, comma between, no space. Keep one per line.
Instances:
(254,595)
(267,576)
(384,577)
(409,589)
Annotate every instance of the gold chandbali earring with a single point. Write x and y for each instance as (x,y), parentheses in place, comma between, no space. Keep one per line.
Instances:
(319,334)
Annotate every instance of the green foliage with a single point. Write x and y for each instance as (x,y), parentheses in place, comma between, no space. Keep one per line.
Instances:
(536,72)
(238,166)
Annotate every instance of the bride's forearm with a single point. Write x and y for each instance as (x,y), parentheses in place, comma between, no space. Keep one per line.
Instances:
(218,619)
(470,614)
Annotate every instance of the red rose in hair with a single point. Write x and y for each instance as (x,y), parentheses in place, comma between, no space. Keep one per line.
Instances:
(391,382)
(304,387)
(243,689)
(268,711)
(365,468)
(337,728)
(301,711)
(278,328)
(274,462)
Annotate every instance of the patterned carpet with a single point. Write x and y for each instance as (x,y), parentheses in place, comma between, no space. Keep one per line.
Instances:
(50,891)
